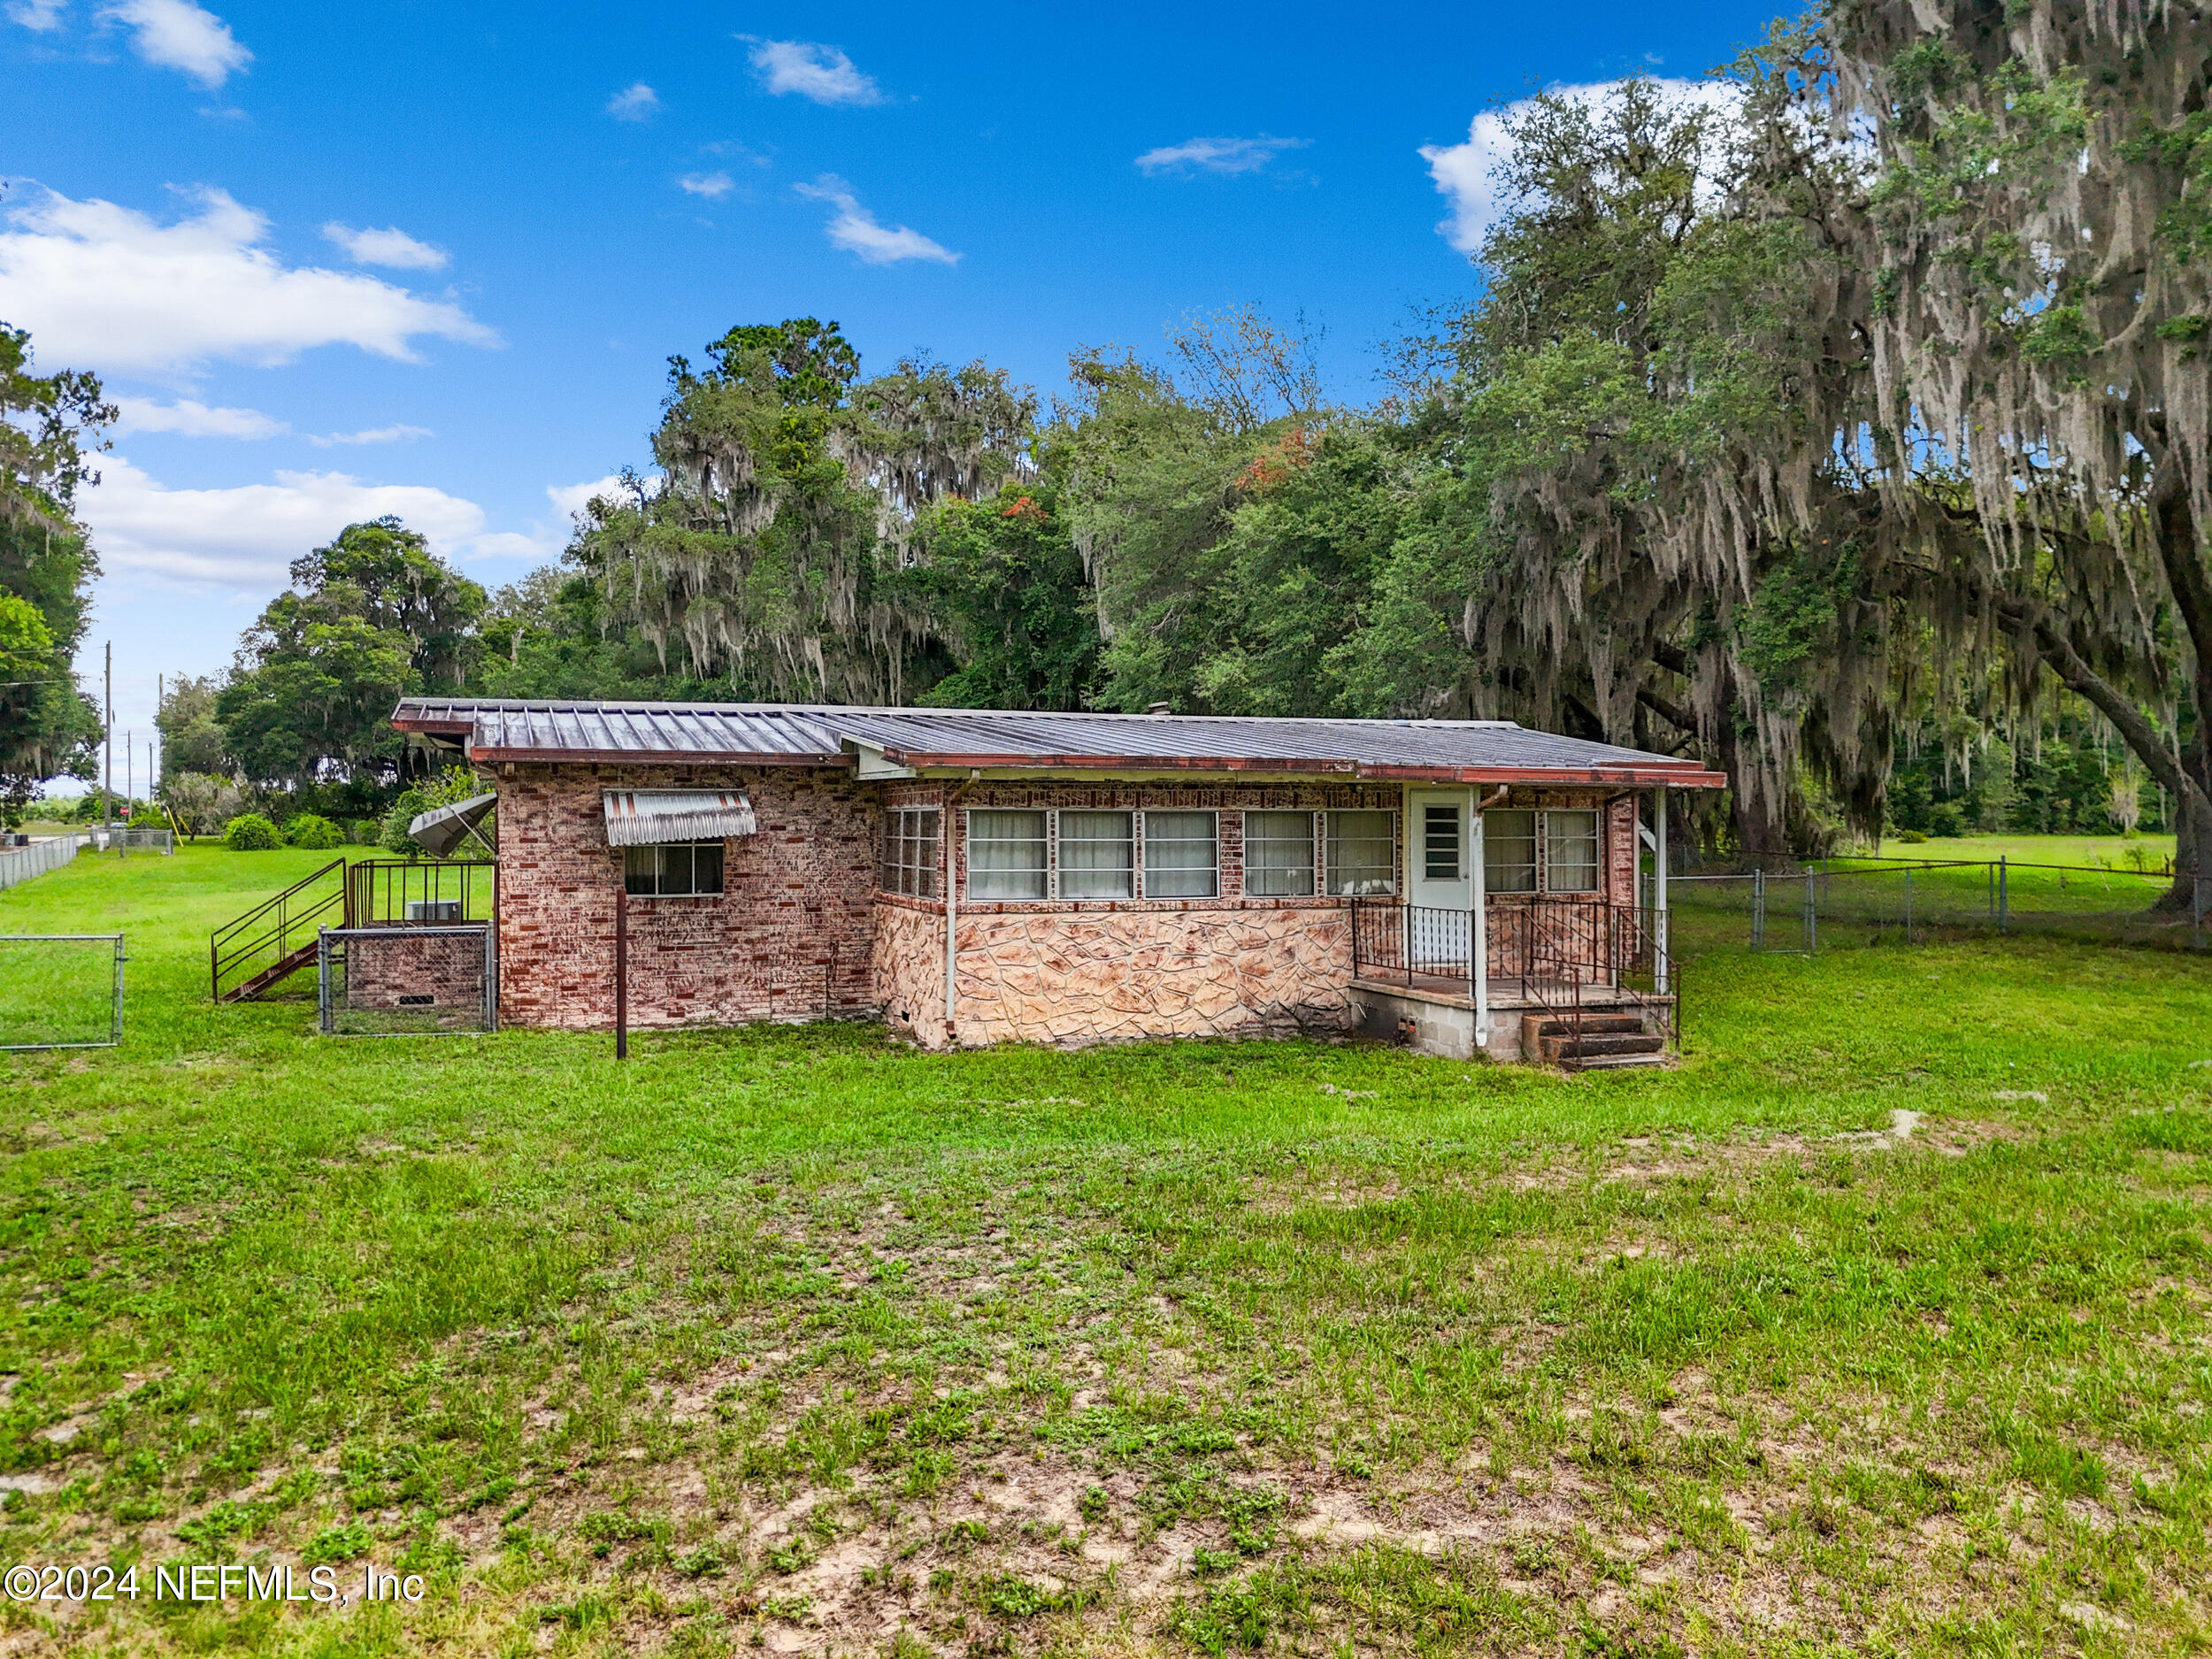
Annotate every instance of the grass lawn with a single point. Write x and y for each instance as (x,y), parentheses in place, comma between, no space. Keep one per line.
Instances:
(1877,1327)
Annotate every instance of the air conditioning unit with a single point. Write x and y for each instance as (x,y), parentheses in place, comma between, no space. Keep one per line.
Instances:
(434,909)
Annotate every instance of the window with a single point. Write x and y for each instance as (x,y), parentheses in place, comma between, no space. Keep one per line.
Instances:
(1571,852)
(1439,843)
(1006,854)
(1509,851)
(1097,856)
(1363,853)
(910,851)
(1178,856)
(1279,854)
(675,870)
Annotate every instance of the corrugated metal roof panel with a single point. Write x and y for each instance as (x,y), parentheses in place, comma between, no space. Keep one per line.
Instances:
(822,734)
(648,818)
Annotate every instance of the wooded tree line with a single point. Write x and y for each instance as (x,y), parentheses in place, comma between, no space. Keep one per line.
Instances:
(1831,428)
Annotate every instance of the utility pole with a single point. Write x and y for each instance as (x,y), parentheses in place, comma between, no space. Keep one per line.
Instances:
(107,769)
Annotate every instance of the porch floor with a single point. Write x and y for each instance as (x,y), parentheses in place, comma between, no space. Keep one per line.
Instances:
(1450,991)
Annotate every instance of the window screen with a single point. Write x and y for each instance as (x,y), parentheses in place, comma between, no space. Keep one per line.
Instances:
(910,851)
(1097,856)
(1509,851)
(1571,852)
(1439,843)
(1180,861)
(675,870)
(1279,854)
(1006,854)
(1363,853)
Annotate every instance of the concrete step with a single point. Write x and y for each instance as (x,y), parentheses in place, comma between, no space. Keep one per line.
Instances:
(1616,1062)
(1597,1043)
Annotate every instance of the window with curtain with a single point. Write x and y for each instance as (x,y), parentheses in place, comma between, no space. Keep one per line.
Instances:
(1509,851)
(1571,851)
(1180,857)
(674,869)
(910,851)
(1363,853)
(1097,856)
(1006,854)
(1439,843)
(1279,854)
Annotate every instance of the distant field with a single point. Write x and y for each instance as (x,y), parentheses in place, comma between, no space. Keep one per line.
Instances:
(1877,1326)
(2117,852)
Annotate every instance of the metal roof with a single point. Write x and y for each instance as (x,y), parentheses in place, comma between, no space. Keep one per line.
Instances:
(648,818)
(820,734)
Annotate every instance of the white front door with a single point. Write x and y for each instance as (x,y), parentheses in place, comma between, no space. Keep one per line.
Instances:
(1439,883)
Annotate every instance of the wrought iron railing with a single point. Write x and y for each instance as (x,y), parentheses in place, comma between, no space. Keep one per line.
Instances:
(1552,952)
(431,892)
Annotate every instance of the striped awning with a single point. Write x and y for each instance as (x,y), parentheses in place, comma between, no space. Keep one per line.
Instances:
(646,817)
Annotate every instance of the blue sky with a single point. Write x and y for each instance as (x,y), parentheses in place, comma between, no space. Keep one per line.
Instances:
(432,258)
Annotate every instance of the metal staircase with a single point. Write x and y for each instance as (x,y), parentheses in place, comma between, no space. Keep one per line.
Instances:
(252,955)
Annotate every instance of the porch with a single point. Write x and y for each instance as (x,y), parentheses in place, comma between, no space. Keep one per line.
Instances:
(1583,983)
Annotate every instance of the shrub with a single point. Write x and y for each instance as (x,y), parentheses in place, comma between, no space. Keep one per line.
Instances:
(312,830)
(250,832)
(1911,838)
(363,832)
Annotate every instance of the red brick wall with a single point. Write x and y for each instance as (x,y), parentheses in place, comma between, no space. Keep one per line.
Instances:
(788,937)
(383,967)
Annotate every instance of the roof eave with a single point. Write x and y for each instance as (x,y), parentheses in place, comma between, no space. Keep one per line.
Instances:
(652,758)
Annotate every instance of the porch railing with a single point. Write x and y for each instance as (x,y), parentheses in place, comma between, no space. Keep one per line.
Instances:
(1552,952)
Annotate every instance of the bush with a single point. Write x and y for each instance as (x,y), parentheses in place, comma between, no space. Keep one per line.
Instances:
(250,832)
(450,787)
(315,832)
(1911,838)
(363,832)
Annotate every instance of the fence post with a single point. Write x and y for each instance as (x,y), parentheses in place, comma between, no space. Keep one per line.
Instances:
(622,973)
(1909,904)
(2196,925)
(2003,905)
(1758,908)
(1812,913)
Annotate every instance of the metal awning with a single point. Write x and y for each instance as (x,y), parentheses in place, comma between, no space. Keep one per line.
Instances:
(646,817)
(439,831)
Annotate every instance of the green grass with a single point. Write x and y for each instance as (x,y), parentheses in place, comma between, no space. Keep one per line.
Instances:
(2115,851)
(790,1335)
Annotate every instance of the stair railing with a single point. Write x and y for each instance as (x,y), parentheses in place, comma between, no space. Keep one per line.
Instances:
(278,928)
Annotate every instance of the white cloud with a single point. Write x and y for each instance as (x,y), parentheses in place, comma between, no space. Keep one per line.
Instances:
(178,35)
(1463,171)
(854,228)
(104,286)
(394,434)
(822,73)
(391,247)
(713,186)
(634,102)
(251,533)
(1217,155)
(569,499)
(191,420)
(39,15)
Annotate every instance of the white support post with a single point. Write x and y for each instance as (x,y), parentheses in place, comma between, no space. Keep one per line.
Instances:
(1477,924)
(952,919)
(1659,884)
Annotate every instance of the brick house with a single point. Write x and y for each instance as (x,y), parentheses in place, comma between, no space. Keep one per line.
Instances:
(979,876)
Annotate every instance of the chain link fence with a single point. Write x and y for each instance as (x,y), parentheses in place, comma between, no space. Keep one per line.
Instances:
(61,991)
(406,981)
(1874,901)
